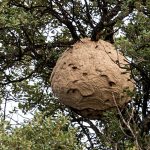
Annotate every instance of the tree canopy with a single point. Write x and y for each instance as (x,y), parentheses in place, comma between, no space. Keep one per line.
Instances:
(33,34)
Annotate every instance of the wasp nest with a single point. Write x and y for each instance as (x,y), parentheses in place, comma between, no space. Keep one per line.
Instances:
(89,77)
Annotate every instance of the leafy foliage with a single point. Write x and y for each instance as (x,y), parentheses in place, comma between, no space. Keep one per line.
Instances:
(40,133)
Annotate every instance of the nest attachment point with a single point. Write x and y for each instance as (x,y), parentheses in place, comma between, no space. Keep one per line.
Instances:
(89,78)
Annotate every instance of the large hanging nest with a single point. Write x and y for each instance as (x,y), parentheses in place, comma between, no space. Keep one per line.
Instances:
(89,78)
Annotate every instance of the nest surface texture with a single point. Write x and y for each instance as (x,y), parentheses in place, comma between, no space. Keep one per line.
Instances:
(89,78)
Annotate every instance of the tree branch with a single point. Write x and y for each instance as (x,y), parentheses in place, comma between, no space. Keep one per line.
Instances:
(65,20)
(17,80)
(88,14)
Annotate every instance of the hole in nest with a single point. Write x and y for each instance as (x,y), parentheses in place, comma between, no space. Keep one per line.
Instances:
(84,74)
(98,70)
(74,67)
(70,64)
(103,75)
(111,83)
(124,72)
(96,46)
(71,91)
(107,100)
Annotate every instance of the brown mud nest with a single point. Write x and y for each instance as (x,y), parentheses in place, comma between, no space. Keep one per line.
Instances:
(89,78)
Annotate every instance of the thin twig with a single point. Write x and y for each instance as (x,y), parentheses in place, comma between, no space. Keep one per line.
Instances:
(127,124)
